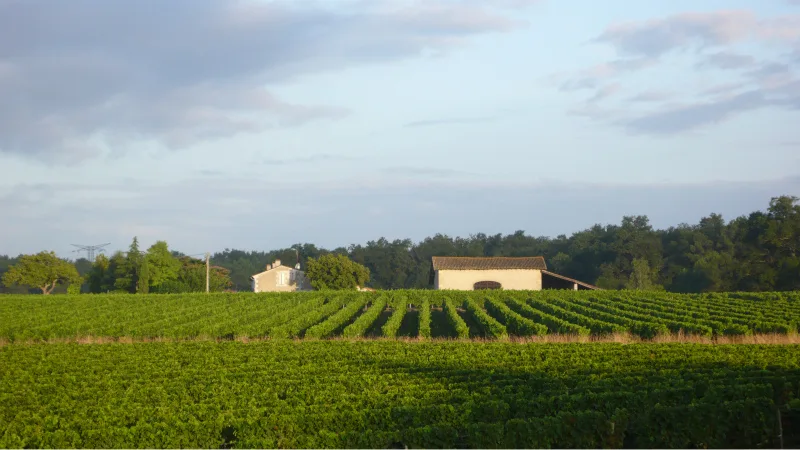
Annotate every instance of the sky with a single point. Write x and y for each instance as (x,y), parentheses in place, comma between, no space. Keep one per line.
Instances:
(256,124)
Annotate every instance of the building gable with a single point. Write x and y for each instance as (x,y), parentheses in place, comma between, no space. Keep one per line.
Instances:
(278,277)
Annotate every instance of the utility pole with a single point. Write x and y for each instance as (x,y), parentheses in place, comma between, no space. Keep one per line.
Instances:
(208,270)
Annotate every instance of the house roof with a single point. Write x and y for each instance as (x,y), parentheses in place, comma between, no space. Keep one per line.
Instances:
(586,285)
(276,267)
(488,263)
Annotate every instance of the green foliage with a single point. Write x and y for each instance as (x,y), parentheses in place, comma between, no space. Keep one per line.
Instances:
(515,323)
(101,275)
(757,252)
(175,287)
(385,394)
(392,326)
(326,314)
(455,321)
(425,319)
(338,320)
(553,323)
(121,275)
(193,275)
(364,321)
(43,270)
(74,288)
(335,272)
(565,313)
(157,271)
(489,325)
(641,278)
(296,325)
(128,268)
(162,266)
(143,278)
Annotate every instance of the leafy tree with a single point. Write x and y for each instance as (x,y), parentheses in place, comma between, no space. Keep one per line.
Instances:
(642,276)
(119,277)
(43,270)
(392,260)
(756,252)
(192,278)
(131,271)
(126,268)
(143,277)
(162,266)
(781,241)
(101,276)
(335,272)
(5,263)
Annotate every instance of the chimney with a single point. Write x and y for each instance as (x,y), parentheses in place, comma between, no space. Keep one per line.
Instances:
(276,263)
(269,266)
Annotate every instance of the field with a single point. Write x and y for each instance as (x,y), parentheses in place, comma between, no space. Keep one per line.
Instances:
(400,369)
(379,394)
(413,314)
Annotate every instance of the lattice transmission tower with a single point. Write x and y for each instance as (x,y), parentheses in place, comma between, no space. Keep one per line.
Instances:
(90,250)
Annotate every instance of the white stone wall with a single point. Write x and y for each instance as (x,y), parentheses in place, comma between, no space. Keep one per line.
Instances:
(464,280)
(270,281)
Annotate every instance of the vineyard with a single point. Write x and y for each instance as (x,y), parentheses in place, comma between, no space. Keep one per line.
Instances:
(397,369)
(391,394)
(391,314)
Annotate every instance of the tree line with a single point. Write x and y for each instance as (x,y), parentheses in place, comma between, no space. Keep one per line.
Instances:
(754,252)
(156,270)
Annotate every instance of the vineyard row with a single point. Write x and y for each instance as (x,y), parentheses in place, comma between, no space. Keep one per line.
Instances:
(378,394)
(423,314)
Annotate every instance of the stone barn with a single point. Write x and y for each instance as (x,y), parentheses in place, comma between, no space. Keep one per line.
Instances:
(510,273)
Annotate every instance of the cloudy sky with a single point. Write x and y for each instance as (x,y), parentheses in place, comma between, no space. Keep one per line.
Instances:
(257,124)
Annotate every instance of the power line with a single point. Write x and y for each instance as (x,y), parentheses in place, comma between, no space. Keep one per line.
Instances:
(90,249)
(196,254)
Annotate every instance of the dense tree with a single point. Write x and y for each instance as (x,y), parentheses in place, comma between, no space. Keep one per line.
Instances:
(43,270)
(132,271)
(389,260)
(6,262)
(143,277)
(756,252)
(642,277)
(336,272)
(160,265)
(101,276)
(192,278)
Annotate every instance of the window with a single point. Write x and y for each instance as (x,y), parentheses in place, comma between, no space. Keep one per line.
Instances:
(282,278)
(481,285)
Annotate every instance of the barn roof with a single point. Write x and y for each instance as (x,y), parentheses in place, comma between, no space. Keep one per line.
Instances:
(586,285)
(489,263)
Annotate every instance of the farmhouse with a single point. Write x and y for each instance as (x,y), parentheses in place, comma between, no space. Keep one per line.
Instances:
(280,278)
(512,273)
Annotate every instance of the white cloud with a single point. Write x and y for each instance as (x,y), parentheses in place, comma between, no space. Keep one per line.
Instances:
(76,74)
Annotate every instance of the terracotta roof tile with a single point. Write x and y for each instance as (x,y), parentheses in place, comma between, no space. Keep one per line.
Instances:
(488,263)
